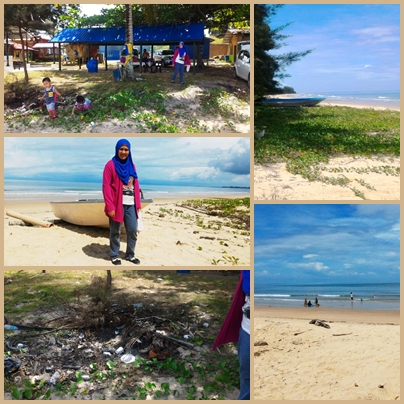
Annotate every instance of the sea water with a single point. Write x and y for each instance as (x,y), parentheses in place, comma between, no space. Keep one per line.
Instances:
(17,190)
(376,98)
(367,296)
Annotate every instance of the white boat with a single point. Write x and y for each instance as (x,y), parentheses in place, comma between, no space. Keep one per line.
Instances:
(85,212)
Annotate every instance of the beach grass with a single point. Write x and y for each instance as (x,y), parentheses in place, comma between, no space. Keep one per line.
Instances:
(145,104)
(305,137)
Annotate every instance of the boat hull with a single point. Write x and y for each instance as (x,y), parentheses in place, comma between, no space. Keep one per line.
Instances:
(291,102)
(85,212)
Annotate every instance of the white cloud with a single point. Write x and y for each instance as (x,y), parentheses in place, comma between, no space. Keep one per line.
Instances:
(310,255)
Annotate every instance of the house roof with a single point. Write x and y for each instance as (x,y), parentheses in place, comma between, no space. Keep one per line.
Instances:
(44,45)
(19,47)
(230,32)
(155,35)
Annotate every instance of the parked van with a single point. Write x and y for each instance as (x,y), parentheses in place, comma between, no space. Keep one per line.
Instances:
(242,63)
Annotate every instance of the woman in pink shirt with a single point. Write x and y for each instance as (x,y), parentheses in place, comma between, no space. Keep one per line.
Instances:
(121,190)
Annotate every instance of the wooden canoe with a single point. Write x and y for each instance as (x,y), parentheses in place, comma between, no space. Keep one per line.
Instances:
(85,212)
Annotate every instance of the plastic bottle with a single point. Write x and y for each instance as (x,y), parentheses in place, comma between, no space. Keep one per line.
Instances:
(10,327)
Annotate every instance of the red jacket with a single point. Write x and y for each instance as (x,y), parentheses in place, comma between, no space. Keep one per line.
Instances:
(231,326)
(112,188)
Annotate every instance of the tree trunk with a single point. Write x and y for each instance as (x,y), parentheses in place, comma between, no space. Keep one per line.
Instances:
(109,279)
(23,55)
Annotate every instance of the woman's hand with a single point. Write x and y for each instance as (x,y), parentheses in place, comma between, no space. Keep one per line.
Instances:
(111,214)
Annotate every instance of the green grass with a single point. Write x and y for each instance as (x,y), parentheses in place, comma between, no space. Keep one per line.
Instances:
(142,103)
(305,137)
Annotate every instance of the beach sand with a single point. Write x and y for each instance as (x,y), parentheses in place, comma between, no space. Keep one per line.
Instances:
(319,363)
(171,238)
(347,104)
(274,182)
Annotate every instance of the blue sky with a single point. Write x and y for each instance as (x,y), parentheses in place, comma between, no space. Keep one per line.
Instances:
(356,46)
(196,161)
(307,244)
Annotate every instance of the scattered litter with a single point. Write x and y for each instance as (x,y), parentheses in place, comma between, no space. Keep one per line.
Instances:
(54,378)
(128,358)
(86,378)
(107,353)
(187,336)
(151,304)
(137,305)
(206,325)
(11,364)
(119,350)
(10,327)
(139,79)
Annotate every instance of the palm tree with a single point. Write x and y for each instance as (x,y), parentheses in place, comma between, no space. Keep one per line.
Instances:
(129,41)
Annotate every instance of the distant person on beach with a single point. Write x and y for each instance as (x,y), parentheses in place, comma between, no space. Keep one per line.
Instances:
(121,190)
(351,296)
(49,96)
(82,104)
(316,301)
(236,328)
(309,303)
(305,303)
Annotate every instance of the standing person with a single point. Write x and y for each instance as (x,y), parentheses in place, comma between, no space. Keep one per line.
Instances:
(351,296)
(50,94)
(121,190)
(236,328)
(178,62)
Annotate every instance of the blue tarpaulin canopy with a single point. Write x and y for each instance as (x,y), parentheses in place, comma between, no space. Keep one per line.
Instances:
(148,35)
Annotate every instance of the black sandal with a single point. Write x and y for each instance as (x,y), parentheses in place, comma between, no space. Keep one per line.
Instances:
(116,261)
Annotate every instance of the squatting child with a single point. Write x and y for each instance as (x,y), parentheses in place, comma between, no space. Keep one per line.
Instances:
(82,104)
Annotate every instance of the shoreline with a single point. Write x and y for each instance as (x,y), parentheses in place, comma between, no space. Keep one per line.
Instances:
(326,103)
(335,315)
(172,236)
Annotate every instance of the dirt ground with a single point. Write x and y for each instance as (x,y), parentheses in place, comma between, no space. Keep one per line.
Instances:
(160,320)
(185,106)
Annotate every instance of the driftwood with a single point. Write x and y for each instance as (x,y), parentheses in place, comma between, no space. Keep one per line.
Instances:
(340,335)
(320,323)
(207,237)
(28,219)
(298,333)
(188,344)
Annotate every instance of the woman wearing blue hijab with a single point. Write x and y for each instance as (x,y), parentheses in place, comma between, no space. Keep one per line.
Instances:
(121,190)
(178,62)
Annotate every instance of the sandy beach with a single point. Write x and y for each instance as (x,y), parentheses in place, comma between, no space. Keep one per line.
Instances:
(357,358)
(274,182)
(351,105)
(171,237)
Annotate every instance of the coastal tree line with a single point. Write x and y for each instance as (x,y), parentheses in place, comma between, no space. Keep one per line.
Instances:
(269,69)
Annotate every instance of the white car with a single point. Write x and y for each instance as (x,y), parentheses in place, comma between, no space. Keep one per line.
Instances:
(165,56)
(242,64)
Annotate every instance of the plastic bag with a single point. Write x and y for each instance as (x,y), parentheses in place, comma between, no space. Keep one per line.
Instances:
(139,222)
